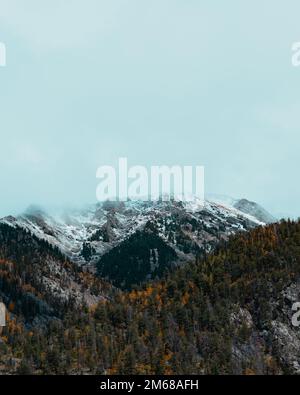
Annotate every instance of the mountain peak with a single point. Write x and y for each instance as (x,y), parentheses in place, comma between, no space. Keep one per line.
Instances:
(189,228)
(254,209)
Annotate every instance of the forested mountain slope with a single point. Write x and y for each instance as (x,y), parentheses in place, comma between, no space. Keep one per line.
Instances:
(229,312)
(37,280)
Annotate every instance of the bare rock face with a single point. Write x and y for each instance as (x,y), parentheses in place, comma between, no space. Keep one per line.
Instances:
(276,347)
(248,346)
(285,337)
(272,346)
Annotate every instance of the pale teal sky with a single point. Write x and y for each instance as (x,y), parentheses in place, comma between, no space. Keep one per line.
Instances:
(188,82)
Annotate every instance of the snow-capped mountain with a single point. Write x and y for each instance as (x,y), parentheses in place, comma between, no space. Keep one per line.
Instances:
(87,234)
(246,206)
(255,210)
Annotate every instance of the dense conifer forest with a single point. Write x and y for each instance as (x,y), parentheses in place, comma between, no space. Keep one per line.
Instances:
(218,315)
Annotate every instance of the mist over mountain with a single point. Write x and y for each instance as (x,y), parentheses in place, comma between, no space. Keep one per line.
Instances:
(110,238)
